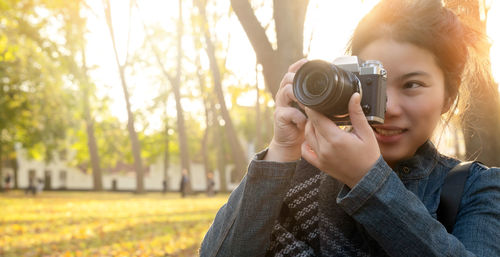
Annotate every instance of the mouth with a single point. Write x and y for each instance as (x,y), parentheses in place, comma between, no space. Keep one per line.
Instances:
(388,134)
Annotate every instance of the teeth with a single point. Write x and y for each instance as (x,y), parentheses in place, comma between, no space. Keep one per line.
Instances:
(386,132)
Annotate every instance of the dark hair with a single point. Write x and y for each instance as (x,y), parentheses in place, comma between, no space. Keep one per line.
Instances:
(424,23)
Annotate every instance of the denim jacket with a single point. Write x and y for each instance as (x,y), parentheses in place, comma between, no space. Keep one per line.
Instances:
(395,208)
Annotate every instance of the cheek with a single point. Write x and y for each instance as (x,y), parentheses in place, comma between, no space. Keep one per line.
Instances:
(426,113)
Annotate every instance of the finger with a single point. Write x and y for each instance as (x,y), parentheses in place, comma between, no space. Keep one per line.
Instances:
(311,137)
(298,118)
(285,96)
(287,79)
(309,155)
(296,66)
(291,115)
(358,119)
(322,124)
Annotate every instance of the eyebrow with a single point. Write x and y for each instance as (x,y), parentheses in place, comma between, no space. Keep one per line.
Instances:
(415,73)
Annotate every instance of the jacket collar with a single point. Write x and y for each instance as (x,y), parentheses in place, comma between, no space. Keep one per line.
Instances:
(421,164)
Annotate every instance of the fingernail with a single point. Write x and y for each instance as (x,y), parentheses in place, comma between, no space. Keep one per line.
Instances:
(358,97)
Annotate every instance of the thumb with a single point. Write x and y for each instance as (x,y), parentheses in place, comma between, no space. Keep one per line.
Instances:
(357,116)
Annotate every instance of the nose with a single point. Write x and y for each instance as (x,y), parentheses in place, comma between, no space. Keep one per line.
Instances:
(393,105)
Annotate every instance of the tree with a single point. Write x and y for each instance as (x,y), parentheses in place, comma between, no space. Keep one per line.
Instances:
(35,101)
(175,82)
(75,38)
(289,17)
(89,125)
(238,153)
(208,116)
(481,115)
(258,140)
(166,154)
(136,147)
(176,88)
(112,139)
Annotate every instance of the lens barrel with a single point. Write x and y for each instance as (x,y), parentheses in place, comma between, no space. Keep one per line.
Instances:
(324,87)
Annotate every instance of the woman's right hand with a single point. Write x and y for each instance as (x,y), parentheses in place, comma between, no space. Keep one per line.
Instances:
(289,122)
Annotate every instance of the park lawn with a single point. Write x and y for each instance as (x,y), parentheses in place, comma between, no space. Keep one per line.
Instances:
(104,224)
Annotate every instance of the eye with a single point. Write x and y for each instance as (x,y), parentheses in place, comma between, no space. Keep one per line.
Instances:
(413,84)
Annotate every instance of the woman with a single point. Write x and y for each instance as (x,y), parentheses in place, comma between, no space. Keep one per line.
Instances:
(321,191)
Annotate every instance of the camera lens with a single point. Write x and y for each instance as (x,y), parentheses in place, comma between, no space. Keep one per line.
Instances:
(325,87)
(316,84)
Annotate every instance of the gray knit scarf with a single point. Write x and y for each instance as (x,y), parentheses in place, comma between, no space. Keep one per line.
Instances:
(312,224)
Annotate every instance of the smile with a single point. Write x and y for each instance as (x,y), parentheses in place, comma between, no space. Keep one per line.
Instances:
(388,132)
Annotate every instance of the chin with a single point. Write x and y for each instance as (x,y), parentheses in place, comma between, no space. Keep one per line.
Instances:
(393,155)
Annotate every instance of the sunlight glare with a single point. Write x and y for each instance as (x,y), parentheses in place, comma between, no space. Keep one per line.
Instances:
(327,29)
(329,26)
(493,27)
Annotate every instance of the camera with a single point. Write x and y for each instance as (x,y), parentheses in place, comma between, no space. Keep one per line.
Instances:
(327,88)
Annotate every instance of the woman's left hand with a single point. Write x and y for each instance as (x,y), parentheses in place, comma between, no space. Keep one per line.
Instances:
(346,156)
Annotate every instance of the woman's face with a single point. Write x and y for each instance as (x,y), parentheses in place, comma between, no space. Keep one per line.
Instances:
(415,97)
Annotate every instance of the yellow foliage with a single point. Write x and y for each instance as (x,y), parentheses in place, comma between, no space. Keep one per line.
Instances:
(104,224)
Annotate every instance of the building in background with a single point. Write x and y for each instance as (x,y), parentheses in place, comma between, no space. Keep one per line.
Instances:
(58,175)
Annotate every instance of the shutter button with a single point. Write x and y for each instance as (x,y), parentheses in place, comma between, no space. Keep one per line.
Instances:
(406,170)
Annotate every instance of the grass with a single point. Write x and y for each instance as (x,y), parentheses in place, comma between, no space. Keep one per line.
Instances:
(104,224)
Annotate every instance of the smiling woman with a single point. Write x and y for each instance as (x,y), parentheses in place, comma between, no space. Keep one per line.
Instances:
(319,190)
(416,97)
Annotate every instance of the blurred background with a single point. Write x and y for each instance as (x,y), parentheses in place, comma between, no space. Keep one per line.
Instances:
(125,124)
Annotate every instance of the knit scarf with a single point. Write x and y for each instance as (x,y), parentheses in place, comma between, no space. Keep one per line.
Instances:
(312,224)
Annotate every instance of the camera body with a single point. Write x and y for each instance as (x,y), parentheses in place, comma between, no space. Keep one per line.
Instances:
(327,87)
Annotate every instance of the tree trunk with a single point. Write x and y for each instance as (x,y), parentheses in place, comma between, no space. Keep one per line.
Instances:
(238,153)
(258,123)
(267,124)
(481,122)
(289,17)
(176,83)
(89,124)
(208,125)
(221,161)
(15,169)
(481,119)
(166,158)
(219,139)
(181,128)
(136,147)
(93,150)
(204,147)
(1,162)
